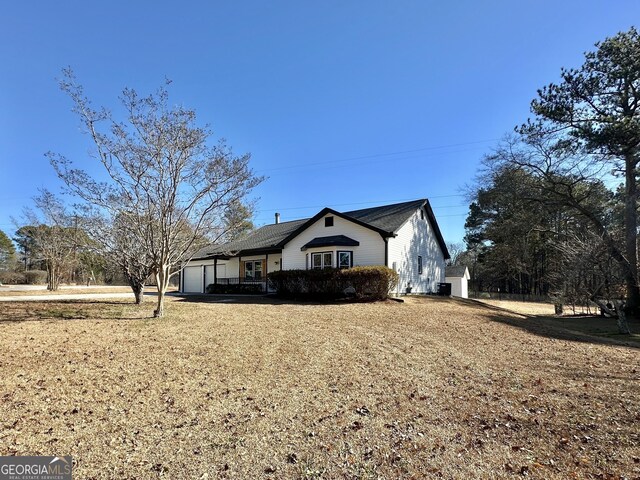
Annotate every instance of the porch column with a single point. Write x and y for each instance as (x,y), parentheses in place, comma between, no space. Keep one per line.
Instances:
(215,270)
(266,271)
(239,269)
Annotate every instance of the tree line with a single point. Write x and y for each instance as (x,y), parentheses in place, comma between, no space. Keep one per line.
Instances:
(59,249)
(555,207)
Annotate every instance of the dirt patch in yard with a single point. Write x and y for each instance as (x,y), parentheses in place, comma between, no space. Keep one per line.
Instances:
(524,308)
(427,388)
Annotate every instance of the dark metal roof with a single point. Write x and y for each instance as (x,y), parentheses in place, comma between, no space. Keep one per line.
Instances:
(385,219)
(331,241)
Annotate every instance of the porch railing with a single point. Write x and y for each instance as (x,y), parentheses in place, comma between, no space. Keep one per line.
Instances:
(262,283)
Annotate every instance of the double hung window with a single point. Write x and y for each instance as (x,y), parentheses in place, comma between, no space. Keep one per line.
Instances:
(345,259)
(322,260)
(253,270)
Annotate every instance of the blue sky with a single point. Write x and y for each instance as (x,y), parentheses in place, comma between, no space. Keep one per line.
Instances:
(346,104)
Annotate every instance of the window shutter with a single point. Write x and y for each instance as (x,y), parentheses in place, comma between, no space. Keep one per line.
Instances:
(242,270)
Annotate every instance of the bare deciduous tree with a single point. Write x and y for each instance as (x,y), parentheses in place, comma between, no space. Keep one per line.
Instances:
(54,236)
(116,240)
(589,274)
(165,183)
(456,249)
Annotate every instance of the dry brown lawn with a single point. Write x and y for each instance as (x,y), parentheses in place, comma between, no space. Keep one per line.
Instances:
(424,389)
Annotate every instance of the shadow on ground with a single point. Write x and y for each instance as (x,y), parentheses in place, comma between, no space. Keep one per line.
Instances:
(96,309)
(582,328)
(255,299)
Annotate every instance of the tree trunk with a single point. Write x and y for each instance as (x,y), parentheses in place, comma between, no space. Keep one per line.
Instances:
(631,236)
(616,310)
(623,325)
(136,281)
(162,281)
(138,291)
(53,279)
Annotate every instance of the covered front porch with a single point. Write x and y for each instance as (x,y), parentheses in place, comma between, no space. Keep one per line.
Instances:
(228,273)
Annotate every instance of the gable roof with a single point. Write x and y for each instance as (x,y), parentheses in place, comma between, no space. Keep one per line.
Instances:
(385,219)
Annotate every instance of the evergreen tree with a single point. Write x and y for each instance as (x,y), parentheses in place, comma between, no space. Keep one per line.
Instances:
(7,252)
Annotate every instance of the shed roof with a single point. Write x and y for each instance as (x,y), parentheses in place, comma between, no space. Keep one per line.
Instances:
(331,241)
(456,271)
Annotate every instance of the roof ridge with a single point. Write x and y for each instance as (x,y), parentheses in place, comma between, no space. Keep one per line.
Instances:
(281,223)
(347,212)
(386,206)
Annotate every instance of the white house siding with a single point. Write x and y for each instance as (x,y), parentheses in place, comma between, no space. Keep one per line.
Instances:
(417,238)
(369,252)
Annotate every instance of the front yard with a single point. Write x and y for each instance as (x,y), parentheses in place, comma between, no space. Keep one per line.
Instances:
(431,387)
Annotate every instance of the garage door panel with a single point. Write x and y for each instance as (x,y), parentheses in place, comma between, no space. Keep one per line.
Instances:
(192,280)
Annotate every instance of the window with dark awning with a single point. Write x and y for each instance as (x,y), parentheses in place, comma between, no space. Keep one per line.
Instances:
(332,241)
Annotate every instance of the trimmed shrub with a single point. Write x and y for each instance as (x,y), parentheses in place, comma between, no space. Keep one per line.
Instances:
(363,283)
(12,278)
(35,277)
(370,283)
(310,284)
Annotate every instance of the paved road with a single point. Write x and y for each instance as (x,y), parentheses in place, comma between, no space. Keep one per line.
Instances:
(74,296)
(35,288)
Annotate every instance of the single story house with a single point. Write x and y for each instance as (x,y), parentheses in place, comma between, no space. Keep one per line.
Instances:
(403,236)
(458,276)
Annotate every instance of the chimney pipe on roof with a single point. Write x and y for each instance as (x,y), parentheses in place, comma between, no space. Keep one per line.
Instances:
(277,218)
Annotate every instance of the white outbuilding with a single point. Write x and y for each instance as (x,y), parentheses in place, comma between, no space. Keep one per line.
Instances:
(458,276)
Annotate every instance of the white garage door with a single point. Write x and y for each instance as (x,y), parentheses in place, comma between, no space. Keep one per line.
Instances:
(192,279)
